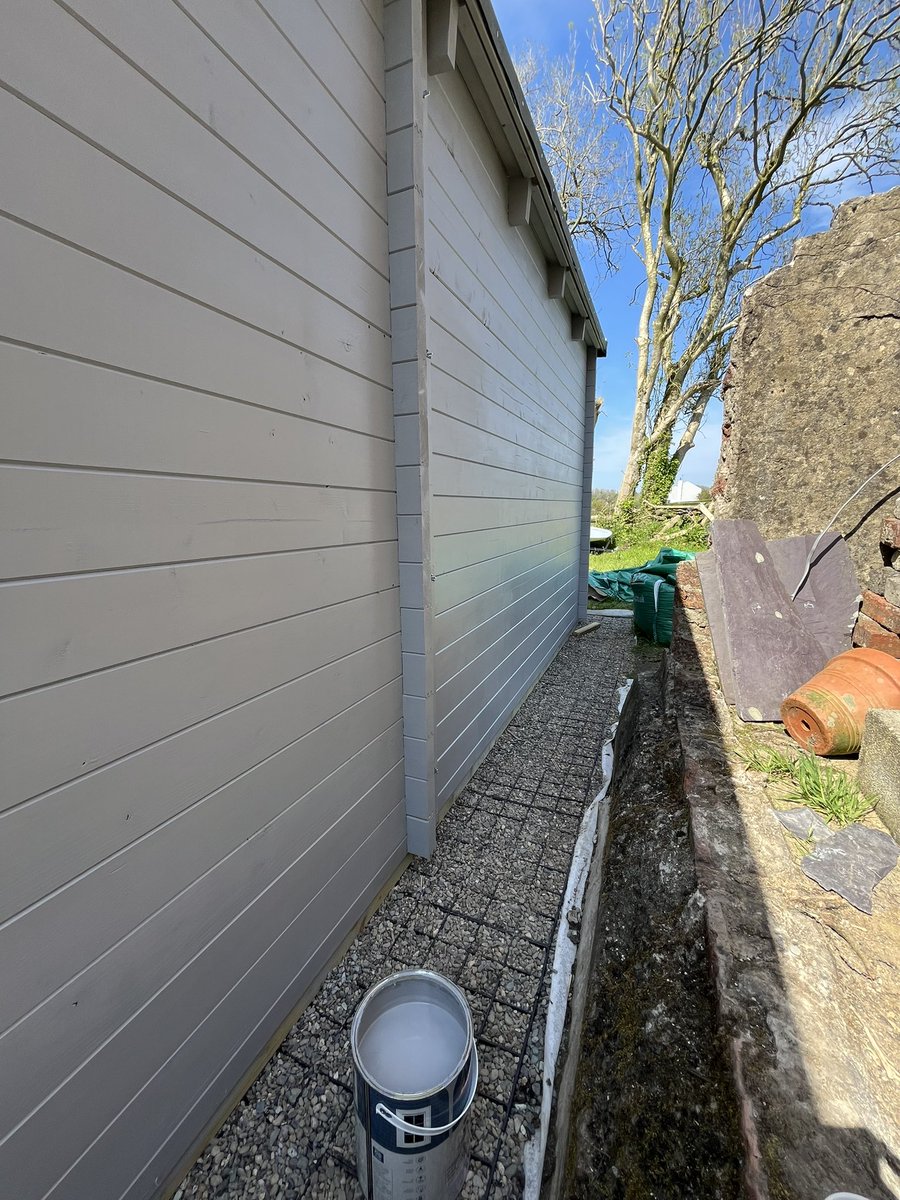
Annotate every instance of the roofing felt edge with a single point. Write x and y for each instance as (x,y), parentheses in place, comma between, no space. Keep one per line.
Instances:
(521,125)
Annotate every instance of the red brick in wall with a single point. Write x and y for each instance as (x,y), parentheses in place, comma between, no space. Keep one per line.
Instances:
(876,637)
(882,611)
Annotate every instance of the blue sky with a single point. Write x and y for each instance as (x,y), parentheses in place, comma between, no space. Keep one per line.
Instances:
(546,22)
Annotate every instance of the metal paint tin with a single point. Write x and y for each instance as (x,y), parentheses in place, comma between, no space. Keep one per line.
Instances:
(416,1075)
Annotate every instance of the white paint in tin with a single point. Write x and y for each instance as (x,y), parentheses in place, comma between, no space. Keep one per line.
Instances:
(413,1047)
(416,1075)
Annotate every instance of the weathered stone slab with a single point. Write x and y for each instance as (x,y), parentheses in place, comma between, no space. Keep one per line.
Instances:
(879,764)
(828,601)
(712,595)
(805,824)
(772,651)
(852,863)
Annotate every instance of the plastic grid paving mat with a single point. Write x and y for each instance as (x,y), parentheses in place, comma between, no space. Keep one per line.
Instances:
(484,911)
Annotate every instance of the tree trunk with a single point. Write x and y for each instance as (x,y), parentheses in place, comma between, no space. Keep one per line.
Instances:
(686,442)
(659,475)
(632,475)
(637,453)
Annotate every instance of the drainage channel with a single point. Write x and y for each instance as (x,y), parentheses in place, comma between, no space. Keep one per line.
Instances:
(647,1106)
(484,912)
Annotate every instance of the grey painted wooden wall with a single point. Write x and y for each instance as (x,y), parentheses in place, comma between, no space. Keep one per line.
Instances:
(507,394)
(204,427)
(201,731)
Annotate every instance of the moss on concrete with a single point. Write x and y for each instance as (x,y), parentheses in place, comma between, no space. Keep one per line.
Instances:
(655,1110)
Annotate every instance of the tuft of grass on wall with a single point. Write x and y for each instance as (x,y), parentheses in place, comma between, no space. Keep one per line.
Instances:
(805,779)
(827,791)
(774,764)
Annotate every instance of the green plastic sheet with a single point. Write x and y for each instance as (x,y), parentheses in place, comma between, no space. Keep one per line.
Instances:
(651,588)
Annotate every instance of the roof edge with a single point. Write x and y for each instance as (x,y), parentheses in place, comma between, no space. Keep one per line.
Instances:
(519,126)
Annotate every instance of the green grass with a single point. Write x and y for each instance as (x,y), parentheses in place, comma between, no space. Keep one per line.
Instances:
(636,553)
(827,791)
(805,779)
(774,764)
(624,557)
(596,605)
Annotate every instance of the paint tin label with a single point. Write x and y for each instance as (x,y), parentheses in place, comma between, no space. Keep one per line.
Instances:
(431,1175)
(413,1028)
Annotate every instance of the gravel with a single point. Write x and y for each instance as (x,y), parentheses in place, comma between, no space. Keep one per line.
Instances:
(482,911)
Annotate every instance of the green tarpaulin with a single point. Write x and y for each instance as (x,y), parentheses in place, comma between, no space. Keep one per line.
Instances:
(651,588)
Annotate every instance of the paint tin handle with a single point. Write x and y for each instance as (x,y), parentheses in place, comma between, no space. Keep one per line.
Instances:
(398,1123)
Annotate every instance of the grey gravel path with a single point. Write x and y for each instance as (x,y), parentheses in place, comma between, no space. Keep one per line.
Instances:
(483,911)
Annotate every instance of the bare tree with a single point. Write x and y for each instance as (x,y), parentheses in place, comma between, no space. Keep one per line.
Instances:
(725,121)
(573,126)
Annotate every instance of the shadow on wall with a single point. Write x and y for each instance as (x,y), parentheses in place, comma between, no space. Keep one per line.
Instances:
(793,1149)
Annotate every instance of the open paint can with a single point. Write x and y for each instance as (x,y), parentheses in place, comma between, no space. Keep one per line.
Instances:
(416,1075)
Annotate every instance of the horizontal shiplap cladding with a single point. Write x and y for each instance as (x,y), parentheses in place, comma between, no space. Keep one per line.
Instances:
(509,255)
(292,799)
(199,258)
(507,390)
(57,409)
(486,678)
(285,970)
(176,1037)
(471,444)
(468,582)
(487,299)
(497,698)
(453,476)
(469,549)
(496,278)
(110,714)
(475,630)
(300,793)
(182,128)
(88,312)
(502,628)
(495,415)
(458,514)
(471,594)
(471,344)
(200,724)
(81,623)
(63,520)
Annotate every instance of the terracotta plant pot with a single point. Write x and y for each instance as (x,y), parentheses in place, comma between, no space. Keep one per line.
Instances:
(827,714)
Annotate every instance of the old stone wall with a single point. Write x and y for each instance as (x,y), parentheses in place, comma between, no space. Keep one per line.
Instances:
(812,395)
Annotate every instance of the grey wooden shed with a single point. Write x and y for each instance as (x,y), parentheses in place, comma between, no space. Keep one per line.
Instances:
(296,425)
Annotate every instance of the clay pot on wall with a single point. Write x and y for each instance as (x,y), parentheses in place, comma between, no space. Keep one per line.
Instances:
(827,714)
